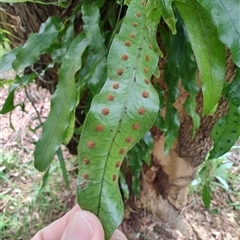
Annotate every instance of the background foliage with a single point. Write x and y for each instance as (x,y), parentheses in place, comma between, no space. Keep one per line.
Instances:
(195,35)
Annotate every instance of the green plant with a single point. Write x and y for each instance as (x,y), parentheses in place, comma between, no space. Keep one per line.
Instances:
(112,60)
(213,169)
(4,42)
(214,173)
(24,199)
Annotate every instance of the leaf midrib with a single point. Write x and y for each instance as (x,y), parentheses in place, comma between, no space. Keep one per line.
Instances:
(119,125)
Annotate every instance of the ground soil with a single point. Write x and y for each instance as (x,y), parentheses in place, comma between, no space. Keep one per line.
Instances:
(17,136)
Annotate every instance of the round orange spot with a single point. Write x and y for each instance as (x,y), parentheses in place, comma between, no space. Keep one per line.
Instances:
(85,176)
(118,164)
(91,144)
(105,111)
(110,97)
(127,43)
(135,24)
(143,3)
(99,128)
(135,126)
(141,110)
(115,177)
(147,58)
(128,139)
(132,35)
(145,94)
(119,72)
(146,81)
(122,151)
(86,161)
(115,85)
(150,47)
(138,14)
(145,69)
(124,57)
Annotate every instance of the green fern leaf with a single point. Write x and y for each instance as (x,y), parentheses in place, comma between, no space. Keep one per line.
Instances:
(226,16)
(58,125)
(208,50)
(119,116)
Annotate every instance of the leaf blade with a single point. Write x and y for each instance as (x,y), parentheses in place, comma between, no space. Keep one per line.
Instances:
(209,51)
(225,132)
(40,42)
(233,94)
(118,118)
(8,105)
(167,13)
(63,168)
(7,60)
(62,104)
(153,19)
(206,196)
(226,16)
(94,71)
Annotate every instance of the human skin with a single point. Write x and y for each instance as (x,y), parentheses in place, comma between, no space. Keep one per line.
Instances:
(76,224)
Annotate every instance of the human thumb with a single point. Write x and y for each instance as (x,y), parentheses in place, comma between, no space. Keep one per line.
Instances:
(83,226)
(118,235)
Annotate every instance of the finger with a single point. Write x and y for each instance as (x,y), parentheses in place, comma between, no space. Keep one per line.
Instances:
(85,226)
(118,235)
(55,230)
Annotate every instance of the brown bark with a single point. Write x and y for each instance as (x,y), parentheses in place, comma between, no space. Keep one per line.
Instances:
(21,19)
(165,183)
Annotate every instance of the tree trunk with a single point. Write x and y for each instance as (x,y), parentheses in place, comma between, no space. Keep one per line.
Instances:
(164,184)
(21,19)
